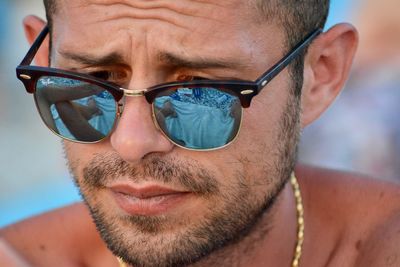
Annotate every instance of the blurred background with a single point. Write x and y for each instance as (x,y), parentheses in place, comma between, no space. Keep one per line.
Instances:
(360,132)
(33,176)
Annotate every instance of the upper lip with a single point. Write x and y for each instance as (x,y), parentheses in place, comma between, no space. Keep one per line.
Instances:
(143,192)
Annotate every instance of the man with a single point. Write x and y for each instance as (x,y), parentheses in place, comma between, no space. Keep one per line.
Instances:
(159,199)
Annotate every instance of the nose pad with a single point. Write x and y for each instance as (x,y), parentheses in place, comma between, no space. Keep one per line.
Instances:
(136,134)
(120,109)
(153,116)
(121,105)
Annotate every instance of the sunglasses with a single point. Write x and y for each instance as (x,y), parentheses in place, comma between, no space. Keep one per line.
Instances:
(200,114)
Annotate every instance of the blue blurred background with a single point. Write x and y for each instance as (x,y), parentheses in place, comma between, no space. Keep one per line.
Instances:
(33,176)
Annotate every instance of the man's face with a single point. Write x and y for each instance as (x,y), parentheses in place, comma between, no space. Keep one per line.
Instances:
(156,204)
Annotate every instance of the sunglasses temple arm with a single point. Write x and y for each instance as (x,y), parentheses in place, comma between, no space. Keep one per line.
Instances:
(283,63)
(35,47)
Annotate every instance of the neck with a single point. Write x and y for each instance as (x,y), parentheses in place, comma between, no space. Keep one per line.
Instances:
(271,242)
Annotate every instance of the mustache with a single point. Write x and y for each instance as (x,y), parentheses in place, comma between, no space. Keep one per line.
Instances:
(106,168)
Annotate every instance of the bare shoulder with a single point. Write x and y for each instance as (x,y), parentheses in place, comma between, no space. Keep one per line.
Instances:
(62,236)
(382,248)
(361,214)
(357,191)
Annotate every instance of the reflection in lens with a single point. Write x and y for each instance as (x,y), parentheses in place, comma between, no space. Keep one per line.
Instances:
(198,118)
(75,110)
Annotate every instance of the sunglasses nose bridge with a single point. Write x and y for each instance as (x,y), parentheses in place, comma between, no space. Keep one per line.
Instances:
(130,93)
(134,92)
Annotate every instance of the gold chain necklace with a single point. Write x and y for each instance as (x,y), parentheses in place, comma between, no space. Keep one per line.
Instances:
(300,221)
(121,262)
(300,224)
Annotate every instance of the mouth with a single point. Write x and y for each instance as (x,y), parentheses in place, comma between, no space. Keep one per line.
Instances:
(148,200)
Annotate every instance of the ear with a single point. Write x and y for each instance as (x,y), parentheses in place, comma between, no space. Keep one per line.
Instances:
(326,69)
(32,27)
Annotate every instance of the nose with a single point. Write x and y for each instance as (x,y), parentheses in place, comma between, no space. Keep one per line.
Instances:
(136,135)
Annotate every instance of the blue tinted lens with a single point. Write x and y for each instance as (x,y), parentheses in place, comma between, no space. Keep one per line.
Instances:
(75,110)
(198,118)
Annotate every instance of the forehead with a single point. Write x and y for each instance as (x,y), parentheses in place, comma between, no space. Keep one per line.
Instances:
(225,27)
(206,9)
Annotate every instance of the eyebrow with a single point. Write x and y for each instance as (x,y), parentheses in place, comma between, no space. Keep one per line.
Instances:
(198,63)
(86,59)
(168,59)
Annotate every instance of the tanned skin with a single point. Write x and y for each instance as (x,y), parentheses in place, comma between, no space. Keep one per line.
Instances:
(349,220)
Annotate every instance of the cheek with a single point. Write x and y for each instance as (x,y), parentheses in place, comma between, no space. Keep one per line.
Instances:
(261,123)
(237,168)
(79,155)
(258,146)
(258,132)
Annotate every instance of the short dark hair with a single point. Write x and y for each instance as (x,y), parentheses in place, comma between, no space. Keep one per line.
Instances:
(50,7)
(297,18)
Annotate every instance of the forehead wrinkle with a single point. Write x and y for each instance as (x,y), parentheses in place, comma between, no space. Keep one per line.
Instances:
(159,13)
(133,15)
(146,4)
(178,13)
(112,51)
(183,41)
(184,7)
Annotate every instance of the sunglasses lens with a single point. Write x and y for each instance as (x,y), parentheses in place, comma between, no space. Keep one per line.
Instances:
(75,110)
(198,118)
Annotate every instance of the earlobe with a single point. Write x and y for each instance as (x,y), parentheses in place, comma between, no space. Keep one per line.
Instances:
(33,26)
(326,69)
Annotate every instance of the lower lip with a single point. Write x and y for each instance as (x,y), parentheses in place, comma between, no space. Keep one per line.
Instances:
(149,206)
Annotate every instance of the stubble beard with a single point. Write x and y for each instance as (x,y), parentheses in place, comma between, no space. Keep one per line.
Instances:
(143,241)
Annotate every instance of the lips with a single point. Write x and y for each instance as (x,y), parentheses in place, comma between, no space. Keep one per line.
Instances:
(147,200)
